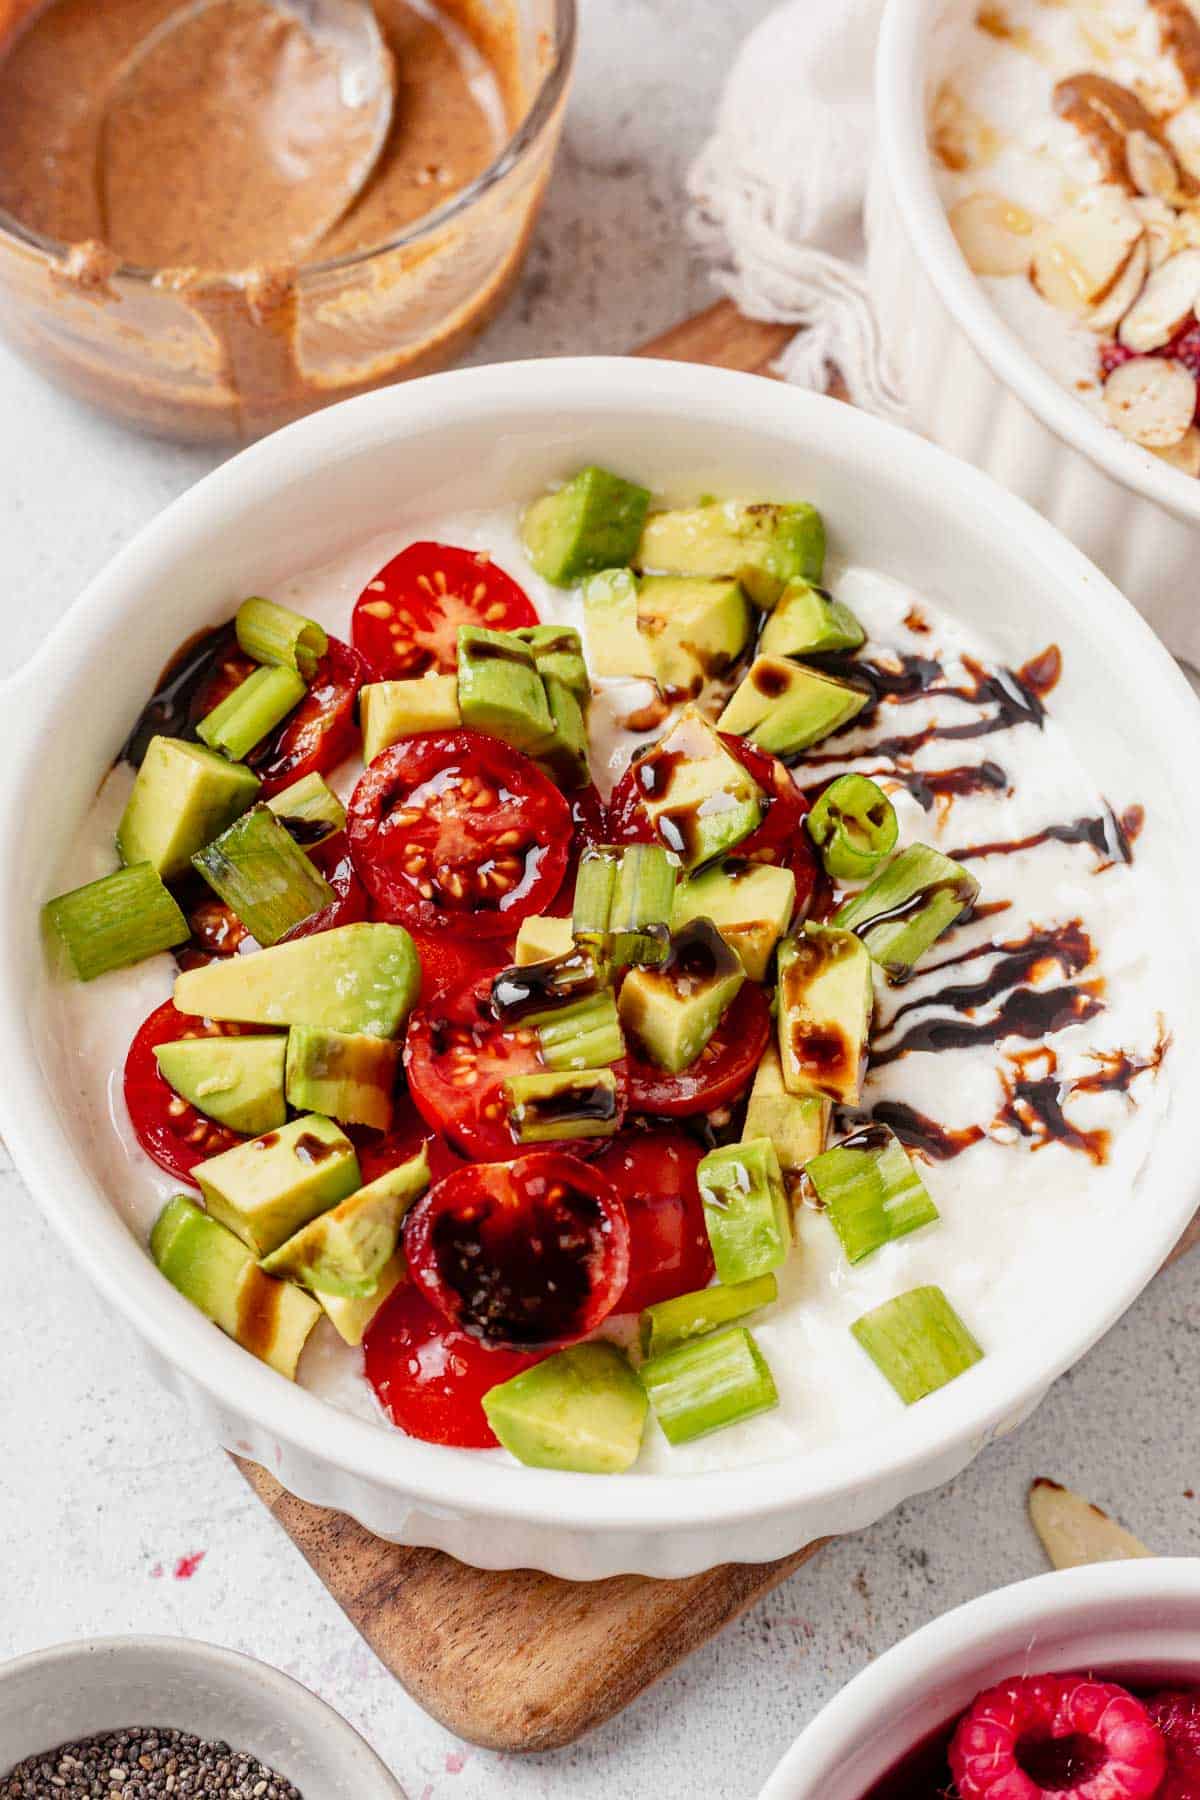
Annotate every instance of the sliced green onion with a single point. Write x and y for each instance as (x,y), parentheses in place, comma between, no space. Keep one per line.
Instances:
(594,889)
(118,920)
(917,1341)
(907,907)
(569,1104)
(871,1191)
(746,1209)
(310,810)
(642,905)
(274,634)
(586,1035)
(257,706)
(257,869)
(854,826)
(671,1322)
(709,1383)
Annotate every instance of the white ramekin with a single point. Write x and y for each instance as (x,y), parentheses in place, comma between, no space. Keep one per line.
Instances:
(973,387)
(1138,1621)
(74,1691)
(493,436)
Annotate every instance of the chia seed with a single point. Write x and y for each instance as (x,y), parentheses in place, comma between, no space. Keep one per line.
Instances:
(144,1763)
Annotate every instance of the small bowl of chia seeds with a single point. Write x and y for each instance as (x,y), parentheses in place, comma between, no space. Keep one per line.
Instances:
(137,1718)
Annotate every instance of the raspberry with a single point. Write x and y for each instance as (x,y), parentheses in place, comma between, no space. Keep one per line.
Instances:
(1057,1737)
(1184,347)
(1178,1718)
(1112,355)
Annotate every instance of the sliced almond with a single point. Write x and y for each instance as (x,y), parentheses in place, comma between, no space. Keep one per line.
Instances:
(1182,132)
(1108,312)
(1161,223)
(1164,304)
(1081,254)
(1073,1531)
(1151,400)
(995,237)
(1185,455)
(1152,168)
(1103,112)
(1179,32)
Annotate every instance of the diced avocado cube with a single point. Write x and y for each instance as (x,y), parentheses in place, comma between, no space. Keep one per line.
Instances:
(391,710)
(698,797)
(697,629)
(238,1081)
(354,978)
(558,653)
(616,648)
(671,1009)
(746,1209)
(567,1103)
(349,1076)
(907,906)
(826,997)
(215,1271)
(342,1252)
(183,797)
(785,706)
(266,1189)
(751,904)
(499,688)
(796,1124)
(807,621)
(594,522)
(309,810)
(565,756)
(351,1315)
(582,1408)
(543,939)
(870,1190)
(762,545)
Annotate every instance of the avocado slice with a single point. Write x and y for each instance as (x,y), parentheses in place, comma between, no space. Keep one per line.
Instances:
(697,629)
(582,1408)
(616,648)
(784,706)
(760,544)
(351,1315)
(542,939)
(565,755)
(499,688)
(672,1008)
(746,1209)
(355,978)
(309,810)
(698,797)
(594,522)
(215,1271)
(558,654)
(343,1251)
(346,1075)
(238,1081)
(391,710)
(183,797)
(751,904)
(826,996)
(807,621)
(266,1189)
(797,1124)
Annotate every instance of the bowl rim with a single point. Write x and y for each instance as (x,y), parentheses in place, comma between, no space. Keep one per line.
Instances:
(553,85)
(903,153)
(920,1657)
(958,1420)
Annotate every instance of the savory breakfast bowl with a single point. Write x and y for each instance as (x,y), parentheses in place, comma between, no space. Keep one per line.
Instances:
(974,385)
(491,438)
(1135,1622)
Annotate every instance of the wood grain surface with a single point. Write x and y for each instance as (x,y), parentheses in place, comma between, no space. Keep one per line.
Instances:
(522,1661)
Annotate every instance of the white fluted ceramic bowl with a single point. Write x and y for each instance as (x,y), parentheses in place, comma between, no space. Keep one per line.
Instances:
(493,436)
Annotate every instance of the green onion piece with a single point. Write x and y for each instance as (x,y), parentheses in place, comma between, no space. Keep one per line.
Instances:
(642,905)
(746,1209)
(854,826)
(545,986)
(594,890)
(244,717)
(906,908)
(257,869)
(310,810)
(671,1322)
(917,1341)
(568,1104)
(709,1383)
(118,920)
(586,1035)
(870,1190)
(273,634)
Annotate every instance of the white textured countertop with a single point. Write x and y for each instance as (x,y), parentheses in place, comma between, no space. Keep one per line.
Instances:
(106,1498)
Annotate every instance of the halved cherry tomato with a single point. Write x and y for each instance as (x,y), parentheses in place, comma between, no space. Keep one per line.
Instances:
(654,1172)
(170,1130)
(350,908)
(379,1152)
(407,617)
(531,1253)
(429,1377)
(589,822)
(722,1069)
(450,961)
(452,828)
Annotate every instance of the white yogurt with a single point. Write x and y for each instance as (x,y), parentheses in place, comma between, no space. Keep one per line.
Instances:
(1013,1212)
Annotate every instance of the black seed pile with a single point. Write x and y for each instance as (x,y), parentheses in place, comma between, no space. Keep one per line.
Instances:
(144,1763)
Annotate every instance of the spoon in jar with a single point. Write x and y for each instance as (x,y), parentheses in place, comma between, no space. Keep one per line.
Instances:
(238,132)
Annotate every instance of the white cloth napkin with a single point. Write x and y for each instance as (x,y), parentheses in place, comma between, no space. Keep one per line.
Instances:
(777,193)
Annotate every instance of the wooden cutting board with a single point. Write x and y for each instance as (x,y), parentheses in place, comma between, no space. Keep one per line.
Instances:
(522,1661)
